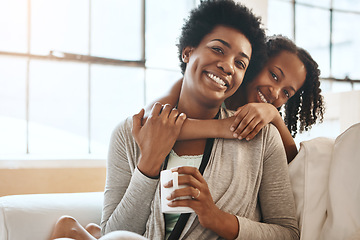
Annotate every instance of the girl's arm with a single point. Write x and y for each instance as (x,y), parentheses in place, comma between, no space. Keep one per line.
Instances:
(249,120)
(194,128)
(252,117)
(288,141)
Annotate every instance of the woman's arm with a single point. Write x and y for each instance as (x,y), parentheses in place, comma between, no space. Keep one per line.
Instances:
(131,178)
(127,190)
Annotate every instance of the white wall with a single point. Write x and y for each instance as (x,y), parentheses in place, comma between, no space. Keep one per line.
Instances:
(342,109)
(259,7)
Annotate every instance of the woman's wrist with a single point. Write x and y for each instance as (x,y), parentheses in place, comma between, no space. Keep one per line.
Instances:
(226,225)
(148,169)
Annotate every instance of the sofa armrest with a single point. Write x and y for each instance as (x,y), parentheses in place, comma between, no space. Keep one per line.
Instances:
(33,216)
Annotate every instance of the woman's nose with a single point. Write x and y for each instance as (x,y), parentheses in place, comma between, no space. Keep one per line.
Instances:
(227,66)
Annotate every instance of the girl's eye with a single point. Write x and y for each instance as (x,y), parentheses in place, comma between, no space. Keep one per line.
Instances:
(274,76)
(241,64)
(287,94)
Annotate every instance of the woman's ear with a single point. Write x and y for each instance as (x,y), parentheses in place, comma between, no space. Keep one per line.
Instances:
(186,54)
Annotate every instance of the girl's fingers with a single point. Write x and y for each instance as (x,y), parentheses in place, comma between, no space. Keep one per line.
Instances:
(254,132)
(248,128)
(242,126)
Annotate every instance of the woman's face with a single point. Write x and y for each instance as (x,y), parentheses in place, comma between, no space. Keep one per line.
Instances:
(282,76)
(215,69)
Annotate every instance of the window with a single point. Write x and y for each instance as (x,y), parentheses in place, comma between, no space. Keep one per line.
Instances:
(70,71)
(327,29)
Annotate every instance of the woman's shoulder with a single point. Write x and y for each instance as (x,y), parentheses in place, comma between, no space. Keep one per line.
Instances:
(226,113)
(124,127)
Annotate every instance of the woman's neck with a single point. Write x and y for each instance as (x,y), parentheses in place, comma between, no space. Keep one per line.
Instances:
(197,110)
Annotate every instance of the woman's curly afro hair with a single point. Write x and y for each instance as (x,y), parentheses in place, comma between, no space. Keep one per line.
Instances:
(212,13)
(306,106)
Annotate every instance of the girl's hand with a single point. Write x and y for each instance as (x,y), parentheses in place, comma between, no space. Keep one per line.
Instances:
(251,118)
(157,136)
(201,201)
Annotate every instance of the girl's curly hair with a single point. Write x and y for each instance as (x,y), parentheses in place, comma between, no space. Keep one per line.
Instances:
(306,106)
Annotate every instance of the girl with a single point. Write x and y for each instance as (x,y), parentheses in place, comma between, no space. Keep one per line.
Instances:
(280,83)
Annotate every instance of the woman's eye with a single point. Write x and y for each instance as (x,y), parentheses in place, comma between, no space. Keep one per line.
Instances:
(274,76)
(219,50)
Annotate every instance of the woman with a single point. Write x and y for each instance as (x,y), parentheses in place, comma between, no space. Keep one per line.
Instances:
(281,82)
(243,183)
(244,192)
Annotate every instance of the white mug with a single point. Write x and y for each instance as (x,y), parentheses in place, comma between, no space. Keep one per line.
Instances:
(166,176)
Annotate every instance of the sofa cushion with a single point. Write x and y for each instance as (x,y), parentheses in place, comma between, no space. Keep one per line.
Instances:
(309,173)
(344,187)
(33,216)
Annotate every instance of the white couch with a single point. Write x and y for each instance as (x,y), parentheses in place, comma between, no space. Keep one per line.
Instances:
(325,183)
(33,216)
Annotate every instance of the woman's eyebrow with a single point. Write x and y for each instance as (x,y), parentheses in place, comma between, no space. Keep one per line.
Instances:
(229,46)
(222,41)
(282,73)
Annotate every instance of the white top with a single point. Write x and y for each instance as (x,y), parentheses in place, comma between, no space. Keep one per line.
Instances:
(185,160)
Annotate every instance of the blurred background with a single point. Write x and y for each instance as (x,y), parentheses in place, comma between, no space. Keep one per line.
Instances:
(70,71)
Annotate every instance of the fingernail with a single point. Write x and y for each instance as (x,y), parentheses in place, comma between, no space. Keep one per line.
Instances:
(174,169)
(235,135)
(247,139)
(240,138)
(232,129)
(168,197)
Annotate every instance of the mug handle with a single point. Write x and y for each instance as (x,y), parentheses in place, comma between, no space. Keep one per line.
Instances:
(175,176)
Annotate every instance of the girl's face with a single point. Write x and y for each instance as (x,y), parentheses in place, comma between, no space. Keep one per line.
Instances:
(282,76)
(215,69)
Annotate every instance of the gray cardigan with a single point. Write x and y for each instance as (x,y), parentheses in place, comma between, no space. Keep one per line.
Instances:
(247,179)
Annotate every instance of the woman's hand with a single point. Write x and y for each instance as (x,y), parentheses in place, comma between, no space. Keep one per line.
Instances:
(209,215)
(201,201)
(251,118)
(157,136)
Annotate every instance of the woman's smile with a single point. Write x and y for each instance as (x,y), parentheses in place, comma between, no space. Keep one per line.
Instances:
(220,83)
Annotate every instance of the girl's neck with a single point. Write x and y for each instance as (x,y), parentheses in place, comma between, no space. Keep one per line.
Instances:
(237,100)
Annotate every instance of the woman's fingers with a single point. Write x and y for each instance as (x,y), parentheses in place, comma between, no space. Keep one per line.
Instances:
(165,112)
(156,109)
(191,192)
(137,119)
